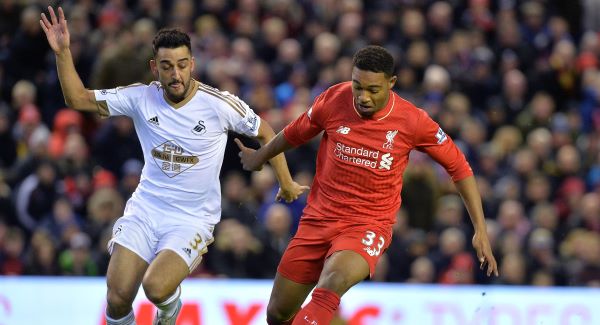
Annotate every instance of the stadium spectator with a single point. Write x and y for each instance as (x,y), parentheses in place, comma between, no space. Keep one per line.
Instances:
(41,257)
(77,258)
(12,254)
(239,254)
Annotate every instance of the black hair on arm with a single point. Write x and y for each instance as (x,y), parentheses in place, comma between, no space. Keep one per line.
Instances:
(375,59)
(171,38)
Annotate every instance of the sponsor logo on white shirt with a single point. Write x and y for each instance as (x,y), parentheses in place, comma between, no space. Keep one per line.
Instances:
(172,159)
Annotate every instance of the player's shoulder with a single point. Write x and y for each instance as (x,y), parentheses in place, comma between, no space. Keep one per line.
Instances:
(407,107)
(212,91)
(155,85)
(221,99)
(138,88)
(342,86)
(336,94)
(339,89)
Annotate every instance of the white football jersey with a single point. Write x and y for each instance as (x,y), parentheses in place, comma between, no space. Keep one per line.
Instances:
(183,145)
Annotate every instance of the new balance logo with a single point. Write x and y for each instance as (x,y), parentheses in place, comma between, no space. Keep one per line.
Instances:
(187,251)
(386,161)
(343,130)
(154,120)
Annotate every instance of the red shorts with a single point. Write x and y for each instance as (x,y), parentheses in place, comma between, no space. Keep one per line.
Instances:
(316,240)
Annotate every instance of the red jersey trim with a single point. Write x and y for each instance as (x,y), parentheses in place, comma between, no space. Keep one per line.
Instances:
(381,118)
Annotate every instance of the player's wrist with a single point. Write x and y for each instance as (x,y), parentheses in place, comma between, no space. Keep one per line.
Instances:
(283,176)
(63,52)
(480,233)
(285,182)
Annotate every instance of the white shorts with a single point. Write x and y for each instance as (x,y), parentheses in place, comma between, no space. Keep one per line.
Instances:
(148,235)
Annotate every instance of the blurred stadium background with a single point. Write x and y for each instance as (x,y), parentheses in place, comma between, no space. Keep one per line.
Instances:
(515,83)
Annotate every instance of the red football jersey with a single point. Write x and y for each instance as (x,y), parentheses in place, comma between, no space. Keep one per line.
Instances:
(361,160)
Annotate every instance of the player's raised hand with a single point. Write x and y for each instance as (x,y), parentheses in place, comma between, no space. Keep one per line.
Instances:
(56,30)
(291,192)
(484,254)
(248,157)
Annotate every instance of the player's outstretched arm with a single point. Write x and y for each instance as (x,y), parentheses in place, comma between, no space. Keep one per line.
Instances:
(57,33)
(467,188)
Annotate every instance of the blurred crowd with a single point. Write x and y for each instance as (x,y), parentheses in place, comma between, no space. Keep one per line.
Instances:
(515,83)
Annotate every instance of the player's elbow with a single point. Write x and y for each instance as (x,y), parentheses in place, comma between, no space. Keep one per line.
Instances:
(75,105)
(70,102)
(80,103)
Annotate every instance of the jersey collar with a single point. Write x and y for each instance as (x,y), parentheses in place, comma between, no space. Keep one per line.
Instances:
(383,113)
(187,98)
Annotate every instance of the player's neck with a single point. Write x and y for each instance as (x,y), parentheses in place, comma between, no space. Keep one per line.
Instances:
(382,112)
(189,93)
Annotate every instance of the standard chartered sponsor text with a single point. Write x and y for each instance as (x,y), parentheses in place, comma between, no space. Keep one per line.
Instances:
(359,156)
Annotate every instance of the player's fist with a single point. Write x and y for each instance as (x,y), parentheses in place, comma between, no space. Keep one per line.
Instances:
(248,157)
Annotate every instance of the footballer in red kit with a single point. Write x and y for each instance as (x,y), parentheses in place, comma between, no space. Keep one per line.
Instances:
(361,161)
(368,134)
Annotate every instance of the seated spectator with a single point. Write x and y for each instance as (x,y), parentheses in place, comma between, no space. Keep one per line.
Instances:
(460,270)
(36,195)
(28,124)
(237,253)
(276,235)
(104,207)
(66,121)
(62,221)
(236,201)
(513,270)
(452,242)
(422,271)
(77,259)
(42,255)
(12,253)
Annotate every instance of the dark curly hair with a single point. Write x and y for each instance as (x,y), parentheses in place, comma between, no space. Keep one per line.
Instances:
(376,59)
(171,38)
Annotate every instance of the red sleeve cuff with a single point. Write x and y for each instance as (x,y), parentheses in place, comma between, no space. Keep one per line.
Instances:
(290,138)
(462,174)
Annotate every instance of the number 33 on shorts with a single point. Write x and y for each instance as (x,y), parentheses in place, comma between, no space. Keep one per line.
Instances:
(369,240)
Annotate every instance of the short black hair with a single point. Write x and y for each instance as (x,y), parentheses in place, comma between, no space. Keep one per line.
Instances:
(170,38)
(375,59)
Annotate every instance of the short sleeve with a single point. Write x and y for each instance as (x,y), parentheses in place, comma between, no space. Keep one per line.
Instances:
(239,117)
(307,125)
(118,101)
(431,139)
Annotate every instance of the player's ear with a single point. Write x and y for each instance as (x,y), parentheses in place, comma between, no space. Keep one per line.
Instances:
(193,64)
(154,68)
(392,81)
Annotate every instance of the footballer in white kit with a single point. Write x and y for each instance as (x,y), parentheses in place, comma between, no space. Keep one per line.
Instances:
(182,126)
(178,200)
